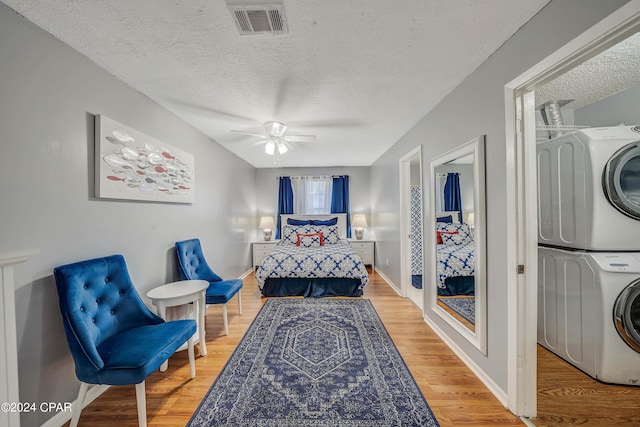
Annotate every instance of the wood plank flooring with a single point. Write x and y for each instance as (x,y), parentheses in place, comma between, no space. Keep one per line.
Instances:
(455,395)
(567,396)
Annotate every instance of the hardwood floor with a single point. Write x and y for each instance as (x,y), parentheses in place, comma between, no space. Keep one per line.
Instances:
(567,396)
(455,395)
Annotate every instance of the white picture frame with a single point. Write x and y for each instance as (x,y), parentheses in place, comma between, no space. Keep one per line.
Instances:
(130,165)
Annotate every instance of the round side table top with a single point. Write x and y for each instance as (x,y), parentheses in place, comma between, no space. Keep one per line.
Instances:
(178,289)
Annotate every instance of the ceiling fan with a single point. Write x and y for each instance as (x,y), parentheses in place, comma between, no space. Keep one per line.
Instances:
(276,142)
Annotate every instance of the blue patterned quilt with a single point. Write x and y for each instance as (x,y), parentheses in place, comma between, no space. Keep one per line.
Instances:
(455,260)
(330,260)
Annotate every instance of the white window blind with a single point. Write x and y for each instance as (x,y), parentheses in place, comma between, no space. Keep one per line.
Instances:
(311,194)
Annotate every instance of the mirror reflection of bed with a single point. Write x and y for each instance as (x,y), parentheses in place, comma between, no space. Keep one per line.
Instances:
(455,248)
(457,240)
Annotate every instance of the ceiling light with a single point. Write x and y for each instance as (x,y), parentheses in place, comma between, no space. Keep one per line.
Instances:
(270,148)
(282,148)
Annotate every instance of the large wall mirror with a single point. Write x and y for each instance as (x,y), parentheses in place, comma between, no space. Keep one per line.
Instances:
(457,236)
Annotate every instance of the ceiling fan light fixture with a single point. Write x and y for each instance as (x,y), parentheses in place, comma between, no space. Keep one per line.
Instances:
(270,148)
(275,129)
(282,148)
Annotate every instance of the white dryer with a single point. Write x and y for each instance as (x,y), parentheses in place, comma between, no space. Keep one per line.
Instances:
(589,189)
(589,311)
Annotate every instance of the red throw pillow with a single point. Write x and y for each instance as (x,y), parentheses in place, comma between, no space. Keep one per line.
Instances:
(440,233)
(319,234)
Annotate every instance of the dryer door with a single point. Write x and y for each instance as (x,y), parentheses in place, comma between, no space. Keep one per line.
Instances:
(621,180)
(626,315)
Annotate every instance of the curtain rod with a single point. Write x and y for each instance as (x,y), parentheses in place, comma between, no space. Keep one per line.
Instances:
(313,177)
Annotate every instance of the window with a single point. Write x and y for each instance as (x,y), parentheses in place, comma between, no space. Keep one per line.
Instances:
(441,180)
(311,194)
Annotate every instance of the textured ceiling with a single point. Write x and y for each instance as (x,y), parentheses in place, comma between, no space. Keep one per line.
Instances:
(612,71)
(356,73)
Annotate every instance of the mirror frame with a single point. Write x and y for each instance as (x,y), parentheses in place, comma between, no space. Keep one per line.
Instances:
(477,338)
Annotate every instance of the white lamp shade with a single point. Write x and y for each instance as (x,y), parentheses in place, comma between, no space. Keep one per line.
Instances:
(266,222)
(282,148)
(270,148)
(471,218)
(359,220)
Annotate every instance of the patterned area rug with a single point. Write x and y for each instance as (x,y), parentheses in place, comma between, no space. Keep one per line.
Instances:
(465,307)
(315,362)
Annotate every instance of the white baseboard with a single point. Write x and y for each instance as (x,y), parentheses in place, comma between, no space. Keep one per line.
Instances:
(246,273)
(62,417)
(500,394)
(389,282)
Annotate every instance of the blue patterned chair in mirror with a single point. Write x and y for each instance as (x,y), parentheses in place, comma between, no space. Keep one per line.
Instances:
(113,337)
(193,266)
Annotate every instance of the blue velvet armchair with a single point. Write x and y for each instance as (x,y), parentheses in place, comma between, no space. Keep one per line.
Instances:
(193,266)
(113,337)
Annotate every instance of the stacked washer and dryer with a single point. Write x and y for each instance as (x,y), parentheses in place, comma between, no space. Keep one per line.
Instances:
(589,251)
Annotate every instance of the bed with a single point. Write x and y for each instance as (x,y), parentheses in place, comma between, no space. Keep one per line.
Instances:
(305,263)
(456,261)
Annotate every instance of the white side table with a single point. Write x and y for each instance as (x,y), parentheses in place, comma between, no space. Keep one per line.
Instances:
(179,293)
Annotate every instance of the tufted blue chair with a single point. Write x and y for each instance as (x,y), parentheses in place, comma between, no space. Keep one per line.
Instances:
(113,337)
(193,266)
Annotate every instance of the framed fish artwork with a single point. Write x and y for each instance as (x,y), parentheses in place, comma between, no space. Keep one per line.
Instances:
(133,166)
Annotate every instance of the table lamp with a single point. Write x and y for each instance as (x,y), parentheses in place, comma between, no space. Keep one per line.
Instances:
(267,224)
(359,223)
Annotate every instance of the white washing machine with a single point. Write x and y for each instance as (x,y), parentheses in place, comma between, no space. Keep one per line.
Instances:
(589,311)
(589,189)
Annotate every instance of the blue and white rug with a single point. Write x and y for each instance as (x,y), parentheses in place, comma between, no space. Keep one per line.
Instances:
(315,362)
(464,306)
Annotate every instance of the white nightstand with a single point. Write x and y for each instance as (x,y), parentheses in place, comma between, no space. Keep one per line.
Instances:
(261,249)
(365,249)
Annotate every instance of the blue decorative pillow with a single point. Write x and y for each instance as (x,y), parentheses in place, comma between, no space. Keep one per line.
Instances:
(292,221)
(448,219)
(332,221)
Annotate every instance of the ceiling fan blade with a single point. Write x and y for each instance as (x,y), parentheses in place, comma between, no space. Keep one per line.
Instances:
(299,138)
(250,134)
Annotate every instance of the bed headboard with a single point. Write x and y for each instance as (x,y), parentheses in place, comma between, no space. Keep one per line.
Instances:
(342,220)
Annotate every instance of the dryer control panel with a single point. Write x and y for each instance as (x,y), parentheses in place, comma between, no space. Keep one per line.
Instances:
(624,262)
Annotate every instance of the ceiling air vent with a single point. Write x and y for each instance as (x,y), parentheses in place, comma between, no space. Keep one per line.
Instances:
(259,20)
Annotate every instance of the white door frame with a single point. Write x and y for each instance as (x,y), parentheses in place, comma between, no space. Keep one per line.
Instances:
(405,221)
(522,238)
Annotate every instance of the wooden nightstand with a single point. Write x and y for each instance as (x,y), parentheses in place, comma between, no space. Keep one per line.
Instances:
(261,249)
(366,250)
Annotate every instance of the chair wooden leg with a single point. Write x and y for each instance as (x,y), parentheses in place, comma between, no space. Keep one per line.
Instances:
(224,317)
(77,408)
(192,357)
(141,402)
(239,302)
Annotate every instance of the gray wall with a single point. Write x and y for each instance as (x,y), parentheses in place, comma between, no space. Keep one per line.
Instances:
(48,96)
(267,188)
(476,107)
(620,107)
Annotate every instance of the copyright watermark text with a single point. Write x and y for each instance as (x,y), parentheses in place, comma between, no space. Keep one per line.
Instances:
(35,407)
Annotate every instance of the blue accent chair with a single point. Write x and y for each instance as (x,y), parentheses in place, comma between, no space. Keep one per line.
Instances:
(113,337)
(193,266)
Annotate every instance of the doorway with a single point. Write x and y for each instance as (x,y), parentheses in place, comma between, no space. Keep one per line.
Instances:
(521,107)
(412,207)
